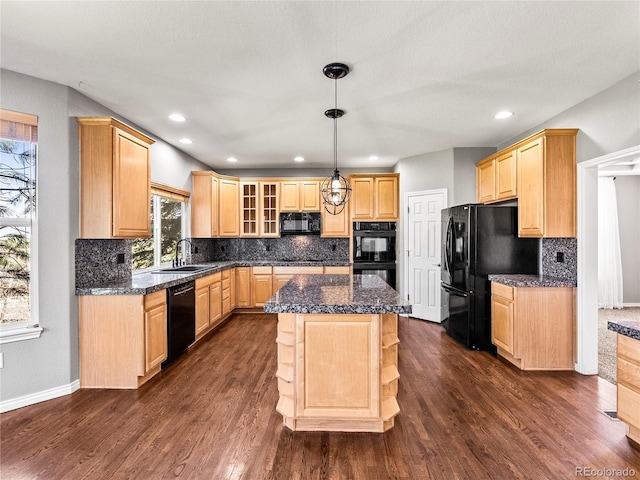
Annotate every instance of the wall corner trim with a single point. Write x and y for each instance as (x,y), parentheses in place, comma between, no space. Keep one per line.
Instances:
(38,397)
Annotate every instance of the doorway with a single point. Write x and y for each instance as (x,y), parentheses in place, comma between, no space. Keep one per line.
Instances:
(422,248)
(587,289)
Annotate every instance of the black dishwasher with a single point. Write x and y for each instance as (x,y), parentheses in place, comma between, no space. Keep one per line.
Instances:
(181,321)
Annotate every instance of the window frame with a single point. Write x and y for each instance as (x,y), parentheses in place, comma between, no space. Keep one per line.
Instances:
(26,329)
(159,191)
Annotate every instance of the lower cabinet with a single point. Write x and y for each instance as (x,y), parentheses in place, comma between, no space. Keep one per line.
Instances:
(243,287)
(261,285)
(227,287)
(123,339)
(208,303)
(338,372)
(628,386)
(281,275)
(534,327)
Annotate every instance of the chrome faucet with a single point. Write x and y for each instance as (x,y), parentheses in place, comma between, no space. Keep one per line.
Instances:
(176,262)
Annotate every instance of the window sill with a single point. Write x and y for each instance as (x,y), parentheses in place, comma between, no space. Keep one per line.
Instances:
(18,334)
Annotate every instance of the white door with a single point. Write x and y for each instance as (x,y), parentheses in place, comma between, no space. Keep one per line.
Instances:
(423,253)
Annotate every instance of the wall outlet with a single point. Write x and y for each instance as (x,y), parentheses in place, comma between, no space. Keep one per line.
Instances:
(195,249)
(120,258)
(1,360)
(222,248)
(560,257)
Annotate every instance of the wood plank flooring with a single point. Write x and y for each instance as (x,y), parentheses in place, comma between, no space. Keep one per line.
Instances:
(464,415)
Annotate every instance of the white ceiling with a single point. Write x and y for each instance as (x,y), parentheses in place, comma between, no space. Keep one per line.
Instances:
(248,76)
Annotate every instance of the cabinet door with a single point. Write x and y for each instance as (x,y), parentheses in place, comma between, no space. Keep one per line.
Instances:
(229,208)
(336,225)
(262,289)
(310,196)
(506,176)
(279,281)
(202,310)
(204,206)
(486,181)
(131,186)
(155,336)
(502,323)
(249,210)
(290,196)
(362,198)
(386,198)
(530,185)
(269,217)
(243,287)
(215,303)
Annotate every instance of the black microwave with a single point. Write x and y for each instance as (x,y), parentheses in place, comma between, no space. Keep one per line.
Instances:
(299,223)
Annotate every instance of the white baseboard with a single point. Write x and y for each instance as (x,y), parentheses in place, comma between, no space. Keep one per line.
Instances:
(627,305)
(38,397)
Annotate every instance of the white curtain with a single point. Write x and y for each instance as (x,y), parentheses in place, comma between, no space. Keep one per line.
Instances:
(609,259)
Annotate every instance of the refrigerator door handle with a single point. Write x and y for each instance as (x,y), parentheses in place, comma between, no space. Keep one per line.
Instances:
(448,246)
(455,291)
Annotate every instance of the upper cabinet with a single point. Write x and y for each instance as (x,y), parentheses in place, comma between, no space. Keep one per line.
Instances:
(204,204)
(115,180)
(300,196)
(374,197)
(546,183)
(249,209)
(496,178)
(229,207)
(540,171)
(336,225)
(269,216)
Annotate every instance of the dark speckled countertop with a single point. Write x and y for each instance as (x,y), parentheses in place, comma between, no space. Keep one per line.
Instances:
(361,294)
(628,328)
(519,280)
(147,282)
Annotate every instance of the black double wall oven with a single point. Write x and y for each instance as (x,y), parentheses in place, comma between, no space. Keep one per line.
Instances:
(374,250)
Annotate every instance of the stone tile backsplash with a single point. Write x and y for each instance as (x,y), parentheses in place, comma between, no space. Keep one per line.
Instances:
(550,266)
(96,261)
(288,248)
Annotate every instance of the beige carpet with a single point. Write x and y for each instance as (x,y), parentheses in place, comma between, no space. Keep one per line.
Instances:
(607,339)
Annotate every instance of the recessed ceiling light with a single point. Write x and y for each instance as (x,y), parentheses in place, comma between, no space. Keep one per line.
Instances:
(298,159)
(232,159)
(503,114)
(176,117)
(186,141)
(373,158)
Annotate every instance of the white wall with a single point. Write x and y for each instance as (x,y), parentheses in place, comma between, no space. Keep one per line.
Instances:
(628,197)
(51,361)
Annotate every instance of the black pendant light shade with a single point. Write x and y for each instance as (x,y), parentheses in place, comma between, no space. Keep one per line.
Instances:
(336,189)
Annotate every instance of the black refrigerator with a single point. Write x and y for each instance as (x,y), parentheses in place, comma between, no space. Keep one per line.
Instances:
(478,240)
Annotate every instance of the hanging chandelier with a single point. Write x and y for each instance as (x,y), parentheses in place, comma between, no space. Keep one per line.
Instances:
(336,189)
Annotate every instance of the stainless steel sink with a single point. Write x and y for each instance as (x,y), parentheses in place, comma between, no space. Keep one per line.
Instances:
(184,269)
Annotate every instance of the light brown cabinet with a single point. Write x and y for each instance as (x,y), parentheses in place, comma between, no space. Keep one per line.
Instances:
(336,225)
(229,207)
(269,217)
(204,205)
(243,287)
(374,197)
(300,196)
(123,339)
(249,209)
(282,274)
(261,285)
(496,178)
(115,179)
(628,384)
(546,178)
(208,303)
(337,372)
(534,327)
(227,287)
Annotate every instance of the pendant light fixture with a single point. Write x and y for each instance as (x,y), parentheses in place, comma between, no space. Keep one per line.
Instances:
(336,189)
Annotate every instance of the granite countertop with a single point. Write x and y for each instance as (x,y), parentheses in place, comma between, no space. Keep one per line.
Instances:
(363,294)
(521,280)
(147,282)
(628,328)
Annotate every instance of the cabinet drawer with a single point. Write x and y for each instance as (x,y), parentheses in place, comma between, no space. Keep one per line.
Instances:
(208,280)
(629,373)
(297,270)
(226,274)
(225,283)
(262,270)
(337,270)
(156,298)
(628,406)
(501,290)
(629,348)
(226,305)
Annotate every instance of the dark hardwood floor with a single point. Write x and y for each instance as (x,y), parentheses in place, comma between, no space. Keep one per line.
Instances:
(464,415)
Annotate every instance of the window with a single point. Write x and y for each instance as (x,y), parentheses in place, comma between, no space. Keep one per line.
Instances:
(18,153)
(167,227)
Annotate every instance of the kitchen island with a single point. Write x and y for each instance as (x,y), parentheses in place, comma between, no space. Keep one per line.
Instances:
(337,352)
